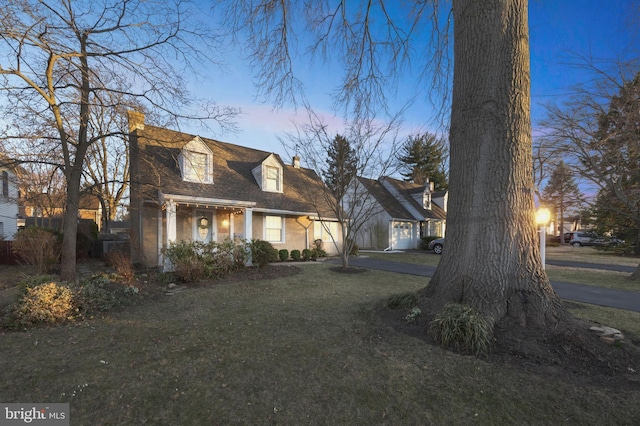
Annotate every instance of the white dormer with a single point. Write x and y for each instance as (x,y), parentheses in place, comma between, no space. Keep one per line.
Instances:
(196,162)
(268,174)
(426,195)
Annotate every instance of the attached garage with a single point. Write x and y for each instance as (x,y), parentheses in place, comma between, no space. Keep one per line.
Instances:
(402,235)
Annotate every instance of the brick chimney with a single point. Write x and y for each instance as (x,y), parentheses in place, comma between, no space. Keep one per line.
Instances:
(136,120)
(295,162)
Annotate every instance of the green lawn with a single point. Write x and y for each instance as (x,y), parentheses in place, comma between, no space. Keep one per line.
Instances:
(306,349)
(587,276)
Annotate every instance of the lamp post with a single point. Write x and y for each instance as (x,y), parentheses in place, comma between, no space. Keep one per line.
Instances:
(542,218)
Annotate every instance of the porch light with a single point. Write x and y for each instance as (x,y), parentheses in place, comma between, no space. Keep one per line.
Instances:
(542,218)
(225,223)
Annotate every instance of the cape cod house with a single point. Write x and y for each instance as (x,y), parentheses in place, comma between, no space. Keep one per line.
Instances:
(405,212)
(187,187)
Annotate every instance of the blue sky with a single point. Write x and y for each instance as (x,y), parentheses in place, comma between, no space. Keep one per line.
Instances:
(559,30)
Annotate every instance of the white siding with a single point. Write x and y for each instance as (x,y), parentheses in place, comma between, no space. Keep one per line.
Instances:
(9,209)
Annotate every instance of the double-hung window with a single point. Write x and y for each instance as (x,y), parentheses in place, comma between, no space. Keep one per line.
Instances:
(326,231)
(273,179)
(196,167)
(274,229)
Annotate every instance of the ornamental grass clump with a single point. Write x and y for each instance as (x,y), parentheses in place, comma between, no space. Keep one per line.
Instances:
(402,301)
(461,328)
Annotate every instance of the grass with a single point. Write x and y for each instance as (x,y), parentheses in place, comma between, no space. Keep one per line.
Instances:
(589,255)
(415,257)
(306,349)
(593,277)
(587,276)
(626,321)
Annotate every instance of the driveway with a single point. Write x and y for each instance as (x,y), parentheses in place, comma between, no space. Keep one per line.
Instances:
(620,299)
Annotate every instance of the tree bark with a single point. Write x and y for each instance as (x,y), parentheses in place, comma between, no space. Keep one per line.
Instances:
(492,259)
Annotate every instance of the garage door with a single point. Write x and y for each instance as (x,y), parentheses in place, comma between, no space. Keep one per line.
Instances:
(402,235)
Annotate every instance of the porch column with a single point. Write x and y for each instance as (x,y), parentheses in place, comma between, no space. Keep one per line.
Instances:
(171,221)
(171,231)
(248,230)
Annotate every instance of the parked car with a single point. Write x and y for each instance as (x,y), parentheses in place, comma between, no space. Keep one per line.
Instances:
(437,245)
(585,238)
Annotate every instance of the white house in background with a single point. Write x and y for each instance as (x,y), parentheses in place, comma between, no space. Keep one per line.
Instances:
(8,201)
(405,212)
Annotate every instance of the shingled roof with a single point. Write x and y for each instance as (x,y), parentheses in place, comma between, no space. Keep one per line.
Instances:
(157,151)
(395,207)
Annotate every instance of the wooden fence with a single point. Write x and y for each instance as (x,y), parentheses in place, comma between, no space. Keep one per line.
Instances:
(7,257)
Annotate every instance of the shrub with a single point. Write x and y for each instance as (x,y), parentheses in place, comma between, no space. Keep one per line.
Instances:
(295,255)
(193,261)
(188,265)
(121,262)
(221,258)
(461,328)
(413,315)
(424,242)
(355,250)
(38,247)
(283,255)
(318,249)
(46,303)
(307,255)
(263,253)
(402,301)
(93,295)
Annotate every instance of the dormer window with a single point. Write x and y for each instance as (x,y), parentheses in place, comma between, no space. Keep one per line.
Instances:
(426,201)
(268,174)
(196,162)
(273,179)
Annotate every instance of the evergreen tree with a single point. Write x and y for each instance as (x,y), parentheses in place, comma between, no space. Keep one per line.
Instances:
(422,159)
(342,166)
(617,160)
(561,193)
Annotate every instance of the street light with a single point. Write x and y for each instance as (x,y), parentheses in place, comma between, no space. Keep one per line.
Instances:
(542,218)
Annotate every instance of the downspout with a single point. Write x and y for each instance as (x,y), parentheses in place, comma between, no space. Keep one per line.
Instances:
(306,231)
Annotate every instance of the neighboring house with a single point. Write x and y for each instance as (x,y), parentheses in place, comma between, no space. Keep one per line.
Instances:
(405,212)
(9,194)
(44,207)
(186,187)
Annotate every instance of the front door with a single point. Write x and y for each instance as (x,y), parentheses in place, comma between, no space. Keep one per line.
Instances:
(205,227)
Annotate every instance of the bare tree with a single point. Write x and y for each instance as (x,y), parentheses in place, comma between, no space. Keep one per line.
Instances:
(107,165)
(62,58)
(364,150)
(597,131)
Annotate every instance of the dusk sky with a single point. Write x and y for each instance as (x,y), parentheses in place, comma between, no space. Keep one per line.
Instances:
(559,32)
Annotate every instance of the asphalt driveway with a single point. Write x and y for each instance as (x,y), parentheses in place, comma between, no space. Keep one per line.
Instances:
(620,299)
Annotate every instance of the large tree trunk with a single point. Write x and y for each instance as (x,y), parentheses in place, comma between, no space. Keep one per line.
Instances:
(492,259)
(70,230)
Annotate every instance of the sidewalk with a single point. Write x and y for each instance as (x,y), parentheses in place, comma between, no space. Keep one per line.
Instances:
(620,299)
